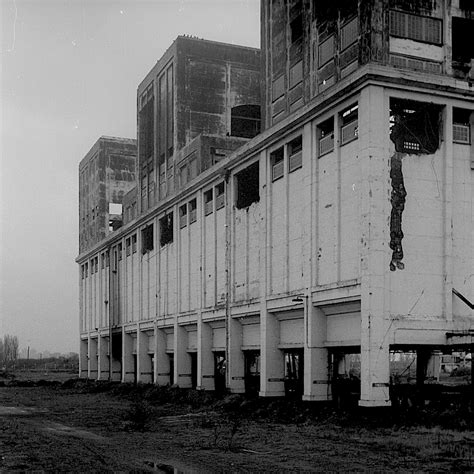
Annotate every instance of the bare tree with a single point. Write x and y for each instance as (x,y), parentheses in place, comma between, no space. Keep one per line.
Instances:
(10,351)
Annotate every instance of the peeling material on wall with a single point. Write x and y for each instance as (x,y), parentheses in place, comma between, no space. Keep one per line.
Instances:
(398,198)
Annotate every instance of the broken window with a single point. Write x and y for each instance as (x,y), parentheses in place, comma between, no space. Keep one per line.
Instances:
(166,229)
(147,239)
(325,132)
(296,27)
(248,188)
(208,202)
(183,216)
(349,124)
(295,154)
(415,27)
(461,126)
(415,126)
(192,211)
(245,121)
(220,196)
(276,160)
(463,49)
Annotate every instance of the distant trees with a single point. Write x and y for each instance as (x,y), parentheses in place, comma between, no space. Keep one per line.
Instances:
(8,351)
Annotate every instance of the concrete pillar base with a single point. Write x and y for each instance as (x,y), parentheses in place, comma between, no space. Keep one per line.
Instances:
(375,403)
(268,393)
(315,398)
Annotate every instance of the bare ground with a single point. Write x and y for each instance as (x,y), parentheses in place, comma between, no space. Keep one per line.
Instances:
(86,427)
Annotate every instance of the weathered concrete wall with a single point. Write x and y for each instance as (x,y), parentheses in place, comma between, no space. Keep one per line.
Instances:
(106,174)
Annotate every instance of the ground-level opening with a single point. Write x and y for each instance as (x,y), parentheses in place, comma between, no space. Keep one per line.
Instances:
(171,363)
(252,372)
(219,372)
(194,365)
(294,372)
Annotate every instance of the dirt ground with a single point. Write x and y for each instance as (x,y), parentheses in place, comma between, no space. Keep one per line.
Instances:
(78,426)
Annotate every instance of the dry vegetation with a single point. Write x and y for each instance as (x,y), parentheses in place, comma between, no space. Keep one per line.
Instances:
(89,426)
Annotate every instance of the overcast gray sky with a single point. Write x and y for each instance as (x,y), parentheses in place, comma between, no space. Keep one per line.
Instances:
(69,73)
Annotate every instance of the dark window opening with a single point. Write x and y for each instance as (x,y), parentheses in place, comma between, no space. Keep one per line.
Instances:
(220,196)
(83,273)
(415,126)
(147,239)
(252,372)
(463,49)
(296,27)
(134,243)
(217,154)
(107,258)
(245,121)
(208,202)
(102,261)
(166,229)
(86,269)
(119,252)
(462,126)
(248,187)
(276,160)
(294,373)
(192,211)
(295,154)
(326,136)
(183,216)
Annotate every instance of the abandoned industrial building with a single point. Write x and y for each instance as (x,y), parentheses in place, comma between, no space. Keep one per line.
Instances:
(286,207)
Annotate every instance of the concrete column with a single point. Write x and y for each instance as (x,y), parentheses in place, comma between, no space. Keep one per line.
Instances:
(205,375)
(375,251)
(235,364)
(182,361)
(144,368)
(103,366)
(128,372)
(316,362)
(92,369)
(272,362)
(162,363)
(83,365)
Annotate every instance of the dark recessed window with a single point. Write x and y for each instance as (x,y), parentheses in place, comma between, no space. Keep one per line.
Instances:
(296,27)
(220,196)
(166,229)
(147,239)
(295,154)
(248,188)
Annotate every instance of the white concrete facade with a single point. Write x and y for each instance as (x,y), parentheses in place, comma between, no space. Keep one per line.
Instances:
(307,267)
